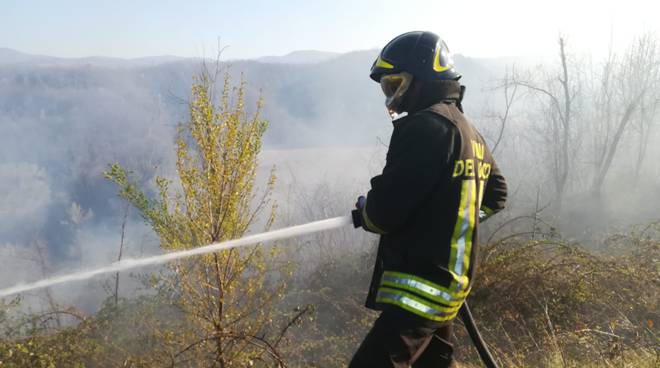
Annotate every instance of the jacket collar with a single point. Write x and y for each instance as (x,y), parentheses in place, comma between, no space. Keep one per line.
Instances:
(439,91)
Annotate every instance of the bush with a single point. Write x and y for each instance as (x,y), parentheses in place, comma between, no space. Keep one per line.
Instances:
(545,300)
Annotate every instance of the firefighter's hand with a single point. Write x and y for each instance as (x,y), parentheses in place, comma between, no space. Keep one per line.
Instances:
(357,212)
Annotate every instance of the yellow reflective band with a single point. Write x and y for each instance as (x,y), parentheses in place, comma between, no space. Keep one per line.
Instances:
(383,64)
(436,62)
(471,224)
(482,185)
(458,228)
(415,305)
(423,287)
(431,307)
(367,221)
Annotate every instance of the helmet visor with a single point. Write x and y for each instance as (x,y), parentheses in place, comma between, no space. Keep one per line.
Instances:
(394,86)
(391,83)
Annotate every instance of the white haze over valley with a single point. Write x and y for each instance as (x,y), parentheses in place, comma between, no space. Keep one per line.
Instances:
(62,121)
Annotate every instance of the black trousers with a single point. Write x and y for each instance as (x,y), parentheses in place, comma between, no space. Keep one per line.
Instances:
(400,339)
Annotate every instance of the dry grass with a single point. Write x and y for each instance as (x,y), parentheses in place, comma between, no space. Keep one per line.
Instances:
(547,302)
(541,302)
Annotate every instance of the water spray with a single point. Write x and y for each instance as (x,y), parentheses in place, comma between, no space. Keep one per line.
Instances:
(130,263)
(289,232)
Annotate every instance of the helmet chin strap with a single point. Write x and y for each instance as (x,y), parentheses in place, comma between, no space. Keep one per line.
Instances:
(392,107)
(392,111)
(393,114)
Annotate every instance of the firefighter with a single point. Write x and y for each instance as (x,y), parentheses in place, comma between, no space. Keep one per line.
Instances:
(439,181)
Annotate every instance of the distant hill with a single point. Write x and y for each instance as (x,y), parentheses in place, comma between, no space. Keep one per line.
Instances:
(10,56)
(70,117)
(62,120)
(14,57)
(311,97)
(300,57)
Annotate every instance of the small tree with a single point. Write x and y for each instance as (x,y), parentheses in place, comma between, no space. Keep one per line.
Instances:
(226,297)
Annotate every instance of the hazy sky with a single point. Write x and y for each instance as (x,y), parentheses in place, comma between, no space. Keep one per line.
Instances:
(257,27)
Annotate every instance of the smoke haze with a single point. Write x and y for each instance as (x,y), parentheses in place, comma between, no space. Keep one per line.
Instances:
(62,121)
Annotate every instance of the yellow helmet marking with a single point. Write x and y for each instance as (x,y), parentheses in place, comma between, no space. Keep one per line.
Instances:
(436,62)
(383,64)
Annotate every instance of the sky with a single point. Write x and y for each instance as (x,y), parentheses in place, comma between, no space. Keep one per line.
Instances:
(253,28)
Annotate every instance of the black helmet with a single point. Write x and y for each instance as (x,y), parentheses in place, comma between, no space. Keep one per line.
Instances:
(422,54)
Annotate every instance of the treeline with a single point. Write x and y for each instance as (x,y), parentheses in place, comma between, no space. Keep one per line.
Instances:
(577,129)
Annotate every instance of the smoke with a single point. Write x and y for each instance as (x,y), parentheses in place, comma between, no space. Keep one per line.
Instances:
(59,128)
(60,125)
(26,197)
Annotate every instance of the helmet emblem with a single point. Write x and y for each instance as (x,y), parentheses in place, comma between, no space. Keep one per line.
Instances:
(436,61)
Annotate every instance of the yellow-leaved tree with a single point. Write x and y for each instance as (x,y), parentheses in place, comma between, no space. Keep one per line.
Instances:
(225,299)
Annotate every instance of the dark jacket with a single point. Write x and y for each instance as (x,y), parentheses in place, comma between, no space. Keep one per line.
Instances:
(426,204)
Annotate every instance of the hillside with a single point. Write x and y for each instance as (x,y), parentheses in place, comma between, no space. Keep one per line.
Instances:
(63,120)
(311,102)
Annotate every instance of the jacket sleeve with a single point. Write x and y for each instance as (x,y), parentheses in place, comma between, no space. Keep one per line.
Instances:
(418,158)
(494,194)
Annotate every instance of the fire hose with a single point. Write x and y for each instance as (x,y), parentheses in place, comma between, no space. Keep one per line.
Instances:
(477,339)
